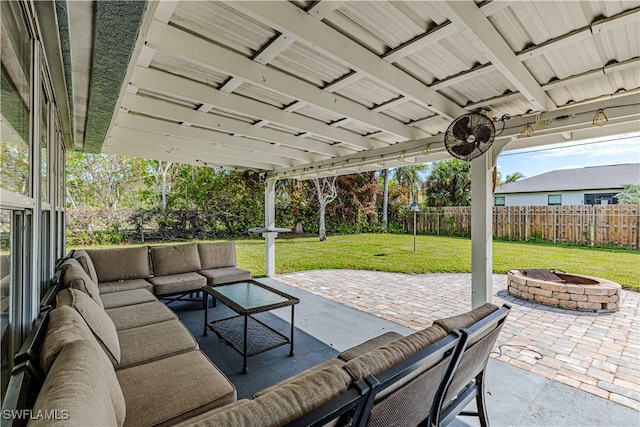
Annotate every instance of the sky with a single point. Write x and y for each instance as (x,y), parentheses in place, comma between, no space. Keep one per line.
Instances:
(605,151)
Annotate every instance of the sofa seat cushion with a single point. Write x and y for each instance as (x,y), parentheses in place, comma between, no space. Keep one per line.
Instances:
(176,259)
(369,345)
(383,358)
(124,285)
(219,276)
(113,265)
(183,282)
(217,254)
(75,277)
(133,316)
(82,385)
(96,318)
(150,342)
(320,366)
(124,298)
(465,320)
(173,388)
(286,403)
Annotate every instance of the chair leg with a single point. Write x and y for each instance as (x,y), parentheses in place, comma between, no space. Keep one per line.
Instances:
(480,402)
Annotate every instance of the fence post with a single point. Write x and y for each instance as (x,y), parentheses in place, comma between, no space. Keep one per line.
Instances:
(554,225)
(437,223)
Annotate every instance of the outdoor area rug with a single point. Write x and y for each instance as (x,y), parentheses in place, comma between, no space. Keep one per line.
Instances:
(264,369)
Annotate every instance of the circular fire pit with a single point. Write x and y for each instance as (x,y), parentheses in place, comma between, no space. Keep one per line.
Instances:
(559,289)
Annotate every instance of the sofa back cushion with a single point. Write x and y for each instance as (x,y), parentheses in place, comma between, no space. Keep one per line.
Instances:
(286,403)
(465,320)
(86,263)
(383,358)
(75,277)
(82,389)
(65,326)
(96,318)
(113,265)
(175,259)
(217,255)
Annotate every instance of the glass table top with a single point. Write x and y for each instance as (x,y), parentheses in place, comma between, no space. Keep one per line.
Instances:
(249,295)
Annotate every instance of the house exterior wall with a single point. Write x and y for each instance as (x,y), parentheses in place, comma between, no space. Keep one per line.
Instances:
(541,199)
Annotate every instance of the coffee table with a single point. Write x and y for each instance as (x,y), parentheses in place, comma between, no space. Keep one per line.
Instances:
(246,334)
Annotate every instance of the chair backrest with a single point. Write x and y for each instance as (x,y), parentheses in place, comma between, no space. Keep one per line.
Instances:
(461,385)
(403,394)
(339,411)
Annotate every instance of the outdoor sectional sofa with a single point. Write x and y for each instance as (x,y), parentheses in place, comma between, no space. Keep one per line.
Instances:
(166,271)
(123,358)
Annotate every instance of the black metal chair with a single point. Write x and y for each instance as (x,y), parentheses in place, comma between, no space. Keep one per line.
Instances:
(403,394)
(465,381)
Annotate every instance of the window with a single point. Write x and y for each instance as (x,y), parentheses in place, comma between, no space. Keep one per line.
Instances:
(5,294)
(498,201)
(44,145)
(16,101)
(600,199)
(554,199)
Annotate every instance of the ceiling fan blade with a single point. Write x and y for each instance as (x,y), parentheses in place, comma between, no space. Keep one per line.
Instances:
(461,128)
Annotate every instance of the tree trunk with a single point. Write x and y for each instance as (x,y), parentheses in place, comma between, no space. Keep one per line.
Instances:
(327,193)
(163,174)
(385,201)
(323,231)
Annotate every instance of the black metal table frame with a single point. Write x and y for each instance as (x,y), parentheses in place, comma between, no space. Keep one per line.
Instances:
(247,314)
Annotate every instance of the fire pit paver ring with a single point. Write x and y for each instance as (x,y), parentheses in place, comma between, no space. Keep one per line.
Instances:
(563,290)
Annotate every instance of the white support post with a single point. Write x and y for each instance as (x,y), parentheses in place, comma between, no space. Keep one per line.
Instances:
(270,223)
(481,229)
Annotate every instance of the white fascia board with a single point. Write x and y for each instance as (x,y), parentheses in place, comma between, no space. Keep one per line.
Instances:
(189,148)
(147,151)
(148,124)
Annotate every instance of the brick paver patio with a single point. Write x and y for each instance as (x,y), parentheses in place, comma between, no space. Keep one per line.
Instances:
(597,353)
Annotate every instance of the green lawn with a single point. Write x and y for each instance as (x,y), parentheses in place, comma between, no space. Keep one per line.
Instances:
(394,253)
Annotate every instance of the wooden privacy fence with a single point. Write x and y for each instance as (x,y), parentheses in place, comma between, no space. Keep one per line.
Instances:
(615,225)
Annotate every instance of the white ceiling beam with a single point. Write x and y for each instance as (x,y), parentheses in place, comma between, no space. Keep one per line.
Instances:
(548,129)
(147,151)
(164,10)
(389,104)
(543,48)
(289,19)
(179,113)
(586,76)
(149,124)
(165,83)
(171,143)
(182,44)
(278,45)
(476,27)
(437,34)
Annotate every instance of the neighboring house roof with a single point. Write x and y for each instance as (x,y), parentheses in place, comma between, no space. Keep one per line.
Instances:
(588,178)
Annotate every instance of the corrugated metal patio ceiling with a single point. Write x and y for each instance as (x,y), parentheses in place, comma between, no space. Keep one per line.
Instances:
(297,88)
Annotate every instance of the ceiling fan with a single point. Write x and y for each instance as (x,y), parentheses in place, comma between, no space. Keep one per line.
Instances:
(469,136)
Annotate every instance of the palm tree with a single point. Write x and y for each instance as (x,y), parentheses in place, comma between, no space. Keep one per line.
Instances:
(409,178)
(513,177)
(449,184)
